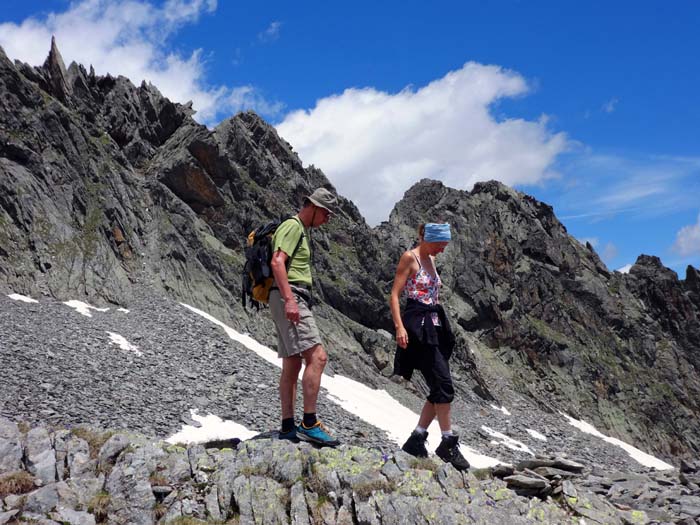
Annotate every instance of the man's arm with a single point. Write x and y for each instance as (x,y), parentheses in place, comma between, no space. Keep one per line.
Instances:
(279,271)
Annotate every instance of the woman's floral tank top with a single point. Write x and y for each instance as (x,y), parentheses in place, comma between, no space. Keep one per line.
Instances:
(424,288)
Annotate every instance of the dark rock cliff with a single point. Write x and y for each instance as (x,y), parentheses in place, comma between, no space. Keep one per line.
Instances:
(107,188)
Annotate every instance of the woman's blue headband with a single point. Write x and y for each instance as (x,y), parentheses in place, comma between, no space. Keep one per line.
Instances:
(437,232)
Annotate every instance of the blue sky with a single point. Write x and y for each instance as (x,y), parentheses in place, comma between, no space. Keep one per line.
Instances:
(591,107)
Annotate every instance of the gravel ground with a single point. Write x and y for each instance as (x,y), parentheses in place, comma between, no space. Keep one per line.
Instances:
(59,367)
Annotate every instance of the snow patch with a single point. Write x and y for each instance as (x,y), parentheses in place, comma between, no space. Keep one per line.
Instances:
(83,308)
(213,427)
(502,409)
(23,298)
(536,434)
(640,457)
(507,441)
(117,339)
(123,310)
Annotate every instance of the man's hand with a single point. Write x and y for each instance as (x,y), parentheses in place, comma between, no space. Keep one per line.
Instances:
(291,310)
(279,271)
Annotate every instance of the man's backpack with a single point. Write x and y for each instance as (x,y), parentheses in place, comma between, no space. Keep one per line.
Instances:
(257,278)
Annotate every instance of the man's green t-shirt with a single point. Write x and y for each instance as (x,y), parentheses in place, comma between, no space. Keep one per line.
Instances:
(286,238)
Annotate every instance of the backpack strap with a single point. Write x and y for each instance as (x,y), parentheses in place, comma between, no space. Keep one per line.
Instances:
(296,249)
(289,260)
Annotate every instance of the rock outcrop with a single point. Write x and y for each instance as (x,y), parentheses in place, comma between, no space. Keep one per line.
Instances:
(93,476)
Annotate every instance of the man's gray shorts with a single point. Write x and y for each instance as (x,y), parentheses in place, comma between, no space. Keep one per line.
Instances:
(293,339)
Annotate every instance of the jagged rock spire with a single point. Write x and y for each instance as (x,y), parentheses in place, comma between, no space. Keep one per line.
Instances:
(56,73)
(692,279)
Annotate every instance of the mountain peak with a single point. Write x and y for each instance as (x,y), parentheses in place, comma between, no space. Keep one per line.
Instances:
(650,266)
(493,187)
(56,72)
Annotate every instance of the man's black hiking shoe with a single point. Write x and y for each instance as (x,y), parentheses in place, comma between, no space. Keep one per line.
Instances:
(415,444)
(289,436)
(448,451)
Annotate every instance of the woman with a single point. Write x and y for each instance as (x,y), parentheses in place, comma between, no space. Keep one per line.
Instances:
(425,340)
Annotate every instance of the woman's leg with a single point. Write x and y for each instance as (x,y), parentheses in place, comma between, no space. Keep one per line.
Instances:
(439,379)
(443,416)
(426,415)
(436,371)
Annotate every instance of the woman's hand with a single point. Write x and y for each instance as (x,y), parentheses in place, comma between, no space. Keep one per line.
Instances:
(401,337)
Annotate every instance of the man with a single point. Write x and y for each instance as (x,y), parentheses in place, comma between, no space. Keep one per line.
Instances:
(290,304)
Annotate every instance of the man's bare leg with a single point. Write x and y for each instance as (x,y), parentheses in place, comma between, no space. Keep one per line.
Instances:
(288,385)
(315,359)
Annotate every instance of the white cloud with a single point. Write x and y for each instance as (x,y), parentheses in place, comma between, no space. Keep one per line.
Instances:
(609,252)
(607,185)
(237,59)
(272,33)
(688,240)
(187,9)
(365,138)
(610,105)
(624,194)
(247,97)
(625,269)
(126,37)
(593,241)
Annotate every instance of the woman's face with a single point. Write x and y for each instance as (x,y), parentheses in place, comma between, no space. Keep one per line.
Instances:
(435,247)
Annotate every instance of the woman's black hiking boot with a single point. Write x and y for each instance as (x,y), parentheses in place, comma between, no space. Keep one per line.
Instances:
(448,451)
(415,444)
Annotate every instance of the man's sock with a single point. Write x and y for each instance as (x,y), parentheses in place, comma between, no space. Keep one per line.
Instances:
(309,419)
(447,433)
(288,424)
(421,430)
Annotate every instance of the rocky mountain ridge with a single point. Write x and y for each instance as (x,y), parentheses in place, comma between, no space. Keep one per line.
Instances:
(114,195)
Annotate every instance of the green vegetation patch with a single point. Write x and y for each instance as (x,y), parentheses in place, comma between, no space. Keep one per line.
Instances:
(547,332)
(99,505)
(365,490)
(16,483)
(94,439)
(424,464)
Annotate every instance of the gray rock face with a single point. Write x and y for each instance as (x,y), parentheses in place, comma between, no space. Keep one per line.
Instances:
(5,517)
(111,450)
(74,517)
(40,455)
(41,501)
(10,446)
(131,496)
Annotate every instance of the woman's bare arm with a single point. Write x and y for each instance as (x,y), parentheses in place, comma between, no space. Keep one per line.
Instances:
(403,271)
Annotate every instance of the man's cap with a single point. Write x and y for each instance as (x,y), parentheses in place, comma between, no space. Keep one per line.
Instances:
(323,198)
